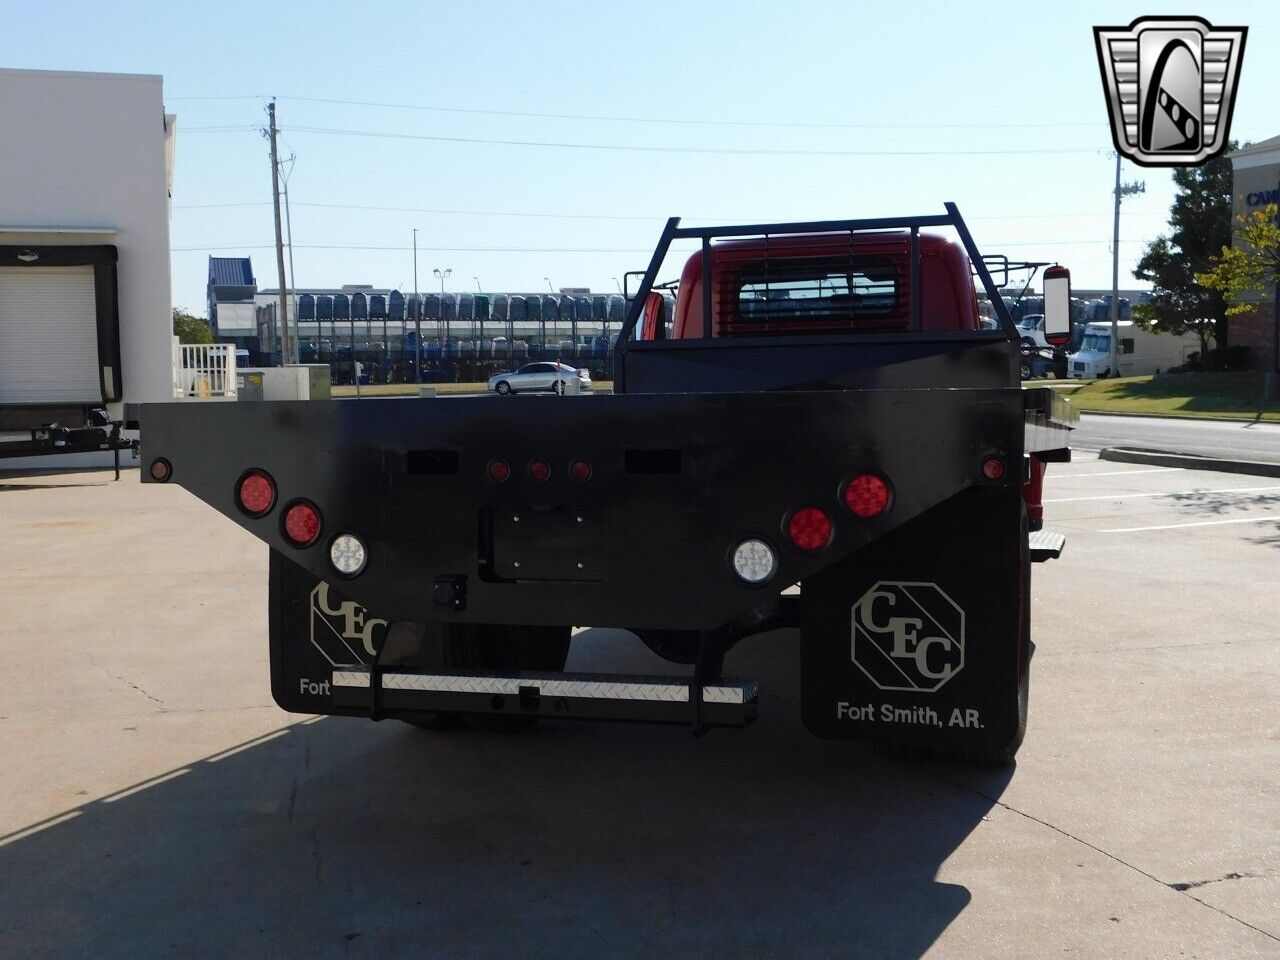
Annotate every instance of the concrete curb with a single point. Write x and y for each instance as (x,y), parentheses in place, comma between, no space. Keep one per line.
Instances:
(1250,418)
(1161,459)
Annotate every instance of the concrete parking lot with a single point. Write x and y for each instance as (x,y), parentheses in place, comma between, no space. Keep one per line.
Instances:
(155,802)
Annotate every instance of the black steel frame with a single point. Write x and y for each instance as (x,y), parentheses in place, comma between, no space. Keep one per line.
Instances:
(673,231)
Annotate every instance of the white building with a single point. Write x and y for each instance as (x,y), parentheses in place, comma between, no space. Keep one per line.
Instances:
(86,169)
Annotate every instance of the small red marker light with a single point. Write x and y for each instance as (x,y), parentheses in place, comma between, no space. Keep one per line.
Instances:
(866,495)
(301,523)
(809,528)
(539,470)
(580,470)
(993,468)
(499,470)
(256,493)
(160,470)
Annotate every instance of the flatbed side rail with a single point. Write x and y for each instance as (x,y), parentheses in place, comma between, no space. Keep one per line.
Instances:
(673,231)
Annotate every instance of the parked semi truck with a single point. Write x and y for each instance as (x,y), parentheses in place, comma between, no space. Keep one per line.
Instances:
(820,408)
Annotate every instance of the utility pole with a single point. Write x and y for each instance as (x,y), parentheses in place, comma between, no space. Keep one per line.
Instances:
(1122,190)
(286,344)
(288,226)
(417,316)
(1271,381)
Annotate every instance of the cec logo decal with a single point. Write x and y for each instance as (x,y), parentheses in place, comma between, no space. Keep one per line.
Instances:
(342,633)
(908,636)
(1171,87)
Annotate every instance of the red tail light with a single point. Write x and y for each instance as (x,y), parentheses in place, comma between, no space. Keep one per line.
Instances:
(867,495)
(301,523)
(993,468)
(160,470)
(499,470)
(256,493)
(580,470)
(809,528)
(539,470)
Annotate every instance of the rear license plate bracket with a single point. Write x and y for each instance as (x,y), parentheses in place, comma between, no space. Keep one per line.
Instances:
(548,543)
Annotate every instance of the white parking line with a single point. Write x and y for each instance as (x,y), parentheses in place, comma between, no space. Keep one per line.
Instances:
(1198,523)
(1170,493)
(1053,474)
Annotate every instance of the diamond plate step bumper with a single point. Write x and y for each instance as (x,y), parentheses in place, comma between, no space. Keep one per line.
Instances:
(1046,545)
(566,696)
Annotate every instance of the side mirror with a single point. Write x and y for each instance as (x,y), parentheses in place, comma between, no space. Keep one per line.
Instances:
(1057,305)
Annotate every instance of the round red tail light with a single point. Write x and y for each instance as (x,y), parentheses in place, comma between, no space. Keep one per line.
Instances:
(993,468)
(301,523)
(809,528)
(256,493)
(580,470)
(866,495)
(539,470)
(160,470)
(499,470)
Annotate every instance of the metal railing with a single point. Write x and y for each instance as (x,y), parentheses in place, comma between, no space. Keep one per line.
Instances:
(204,371)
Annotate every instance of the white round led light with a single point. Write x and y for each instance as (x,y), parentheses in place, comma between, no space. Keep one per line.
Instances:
(347,554)
(754,561)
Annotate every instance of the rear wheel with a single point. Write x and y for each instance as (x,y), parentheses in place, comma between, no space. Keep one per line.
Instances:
(558,387)
(490,647)
(503,387)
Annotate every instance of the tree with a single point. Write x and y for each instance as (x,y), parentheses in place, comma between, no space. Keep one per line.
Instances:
(1200,227)
(190,329)
(1251,266)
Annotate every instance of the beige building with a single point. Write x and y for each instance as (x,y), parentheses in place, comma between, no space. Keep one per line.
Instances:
(1256,183)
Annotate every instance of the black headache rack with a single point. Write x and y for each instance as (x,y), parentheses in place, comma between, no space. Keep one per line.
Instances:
(713,442)
(671,365)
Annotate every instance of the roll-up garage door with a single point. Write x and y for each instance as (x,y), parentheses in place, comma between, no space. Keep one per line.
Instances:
(48,336)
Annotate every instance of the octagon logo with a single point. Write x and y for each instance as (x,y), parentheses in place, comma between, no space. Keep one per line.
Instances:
(907,636)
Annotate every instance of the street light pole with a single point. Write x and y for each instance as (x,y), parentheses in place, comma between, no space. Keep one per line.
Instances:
(479,289)
(444,275)
(1122,190)
(549,286)
(417,316)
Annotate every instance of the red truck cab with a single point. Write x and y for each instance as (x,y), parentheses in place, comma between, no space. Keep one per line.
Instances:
(827,284)
(820,284)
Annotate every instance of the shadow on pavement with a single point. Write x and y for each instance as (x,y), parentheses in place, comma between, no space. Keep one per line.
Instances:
(1230,505)
(339,837)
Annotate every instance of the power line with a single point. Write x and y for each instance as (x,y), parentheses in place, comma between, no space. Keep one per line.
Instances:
(344,246)
(589,216)
(715,151)
(680,121)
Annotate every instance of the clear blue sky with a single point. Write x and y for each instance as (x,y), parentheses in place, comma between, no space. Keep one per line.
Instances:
(916,80)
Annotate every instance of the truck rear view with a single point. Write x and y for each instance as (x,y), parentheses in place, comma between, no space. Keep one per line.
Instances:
(811,430)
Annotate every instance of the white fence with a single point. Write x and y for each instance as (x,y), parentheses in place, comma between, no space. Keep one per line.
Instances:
(204,371)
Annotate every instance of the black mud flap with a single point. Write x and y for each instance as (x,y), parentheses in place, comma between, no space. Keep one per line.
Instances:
(315,629)
(922,639)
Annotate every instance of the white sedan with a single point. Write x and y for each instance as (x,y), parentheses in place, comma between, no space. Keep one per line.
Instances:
(543,375)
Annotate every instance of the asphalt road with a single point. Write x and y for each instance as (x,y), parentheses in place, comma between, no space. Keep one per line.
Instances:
(1237,440)
(155,802)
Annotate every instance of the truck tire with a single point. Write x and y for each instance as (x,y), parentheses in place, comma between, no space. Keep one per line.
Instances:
(497,647)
